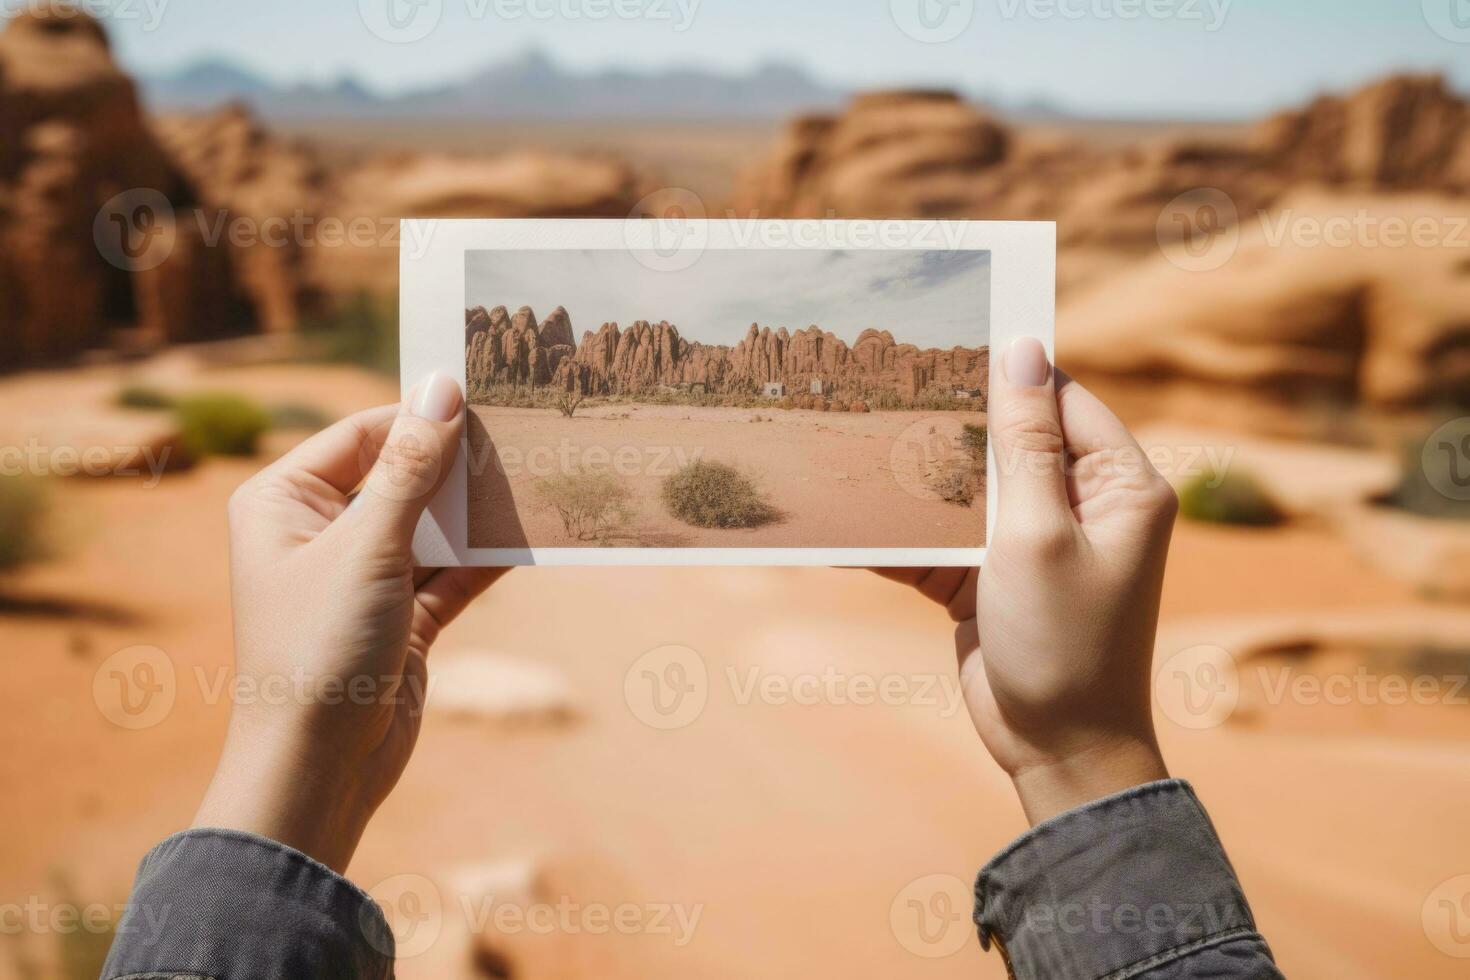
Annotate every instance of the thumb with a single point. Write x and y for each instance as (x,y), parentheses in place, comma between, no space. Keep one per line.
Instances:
(413,463)
(1026,437)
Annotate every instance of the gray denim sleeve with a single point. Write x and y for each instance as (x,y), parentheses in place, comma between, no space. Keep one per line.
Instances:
(225,905)
(1132,885)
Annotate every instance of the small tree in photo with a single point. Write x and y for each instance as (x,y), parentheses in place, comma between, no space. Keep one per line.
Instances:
(592,506)
(718,495)
(568,402)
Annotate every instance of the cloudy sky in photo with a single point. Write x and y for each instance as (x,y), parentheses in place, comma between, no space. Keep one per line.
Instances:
(928,298)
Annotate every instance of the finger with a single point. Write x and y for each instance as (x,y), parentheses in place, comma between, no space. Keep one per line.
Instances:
(953,588)
(335,456)
(448,592)
(1104,454)
(1026,433)
(1088,425)
(413,464)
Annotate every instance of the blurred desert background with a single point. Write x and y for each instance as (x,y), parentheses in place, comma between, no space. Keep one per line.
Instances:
(197,268)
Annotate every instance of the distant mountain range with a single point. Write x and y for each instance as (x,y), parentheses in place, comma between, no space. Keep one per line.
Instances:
(529,86)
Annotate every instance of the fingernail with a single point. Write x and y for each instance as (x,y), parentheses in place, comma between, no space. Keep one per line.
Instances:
(436,398)
(1026,363)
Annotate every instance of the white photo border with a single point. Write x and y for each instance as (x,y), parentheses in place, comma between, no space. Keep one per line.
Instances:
(431,331)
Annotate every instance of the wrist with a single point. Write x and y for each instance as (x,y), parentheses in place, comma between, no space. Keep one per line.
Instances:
(1050,786)
(269,787)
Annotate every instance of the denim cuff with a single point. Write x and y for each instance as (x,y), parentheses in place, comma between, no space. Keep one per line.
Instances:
(226,905)
(1112,889)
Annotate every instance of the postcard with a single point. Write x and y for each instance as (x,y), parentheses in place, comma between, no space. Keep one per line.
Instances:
(718,392)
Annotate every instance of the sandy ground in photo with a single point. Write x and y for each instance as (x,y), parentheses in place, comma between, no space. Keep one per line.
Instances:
(795,830)
(836,479)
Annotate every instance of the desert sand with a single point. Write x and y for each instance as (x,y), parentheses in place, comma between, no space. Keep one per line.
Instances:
(836,480)
(792,827)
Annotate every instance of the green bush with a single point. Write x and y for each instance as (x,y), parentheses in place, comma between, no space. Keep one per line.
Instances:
(22,509)
(592,506)
(1235,497)
(221,425)
(295,415)
(145,398)
(707,494)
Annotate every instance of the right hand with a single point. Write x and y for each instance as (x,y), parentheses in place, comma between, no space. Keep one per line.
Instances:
(1056,632)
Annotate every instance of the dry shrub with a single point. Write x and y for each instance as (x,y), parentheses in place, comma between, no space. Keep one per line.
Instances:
(567,403)
(592,506)
(707,494)
(858,407)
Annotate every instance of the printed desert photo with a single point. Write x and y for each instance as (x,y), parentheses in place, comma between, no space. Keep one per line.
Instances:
(816,399)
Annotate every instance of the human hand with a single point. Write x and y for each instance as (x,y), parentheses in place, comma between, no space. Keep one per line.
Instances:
(333,624)
(1056,632)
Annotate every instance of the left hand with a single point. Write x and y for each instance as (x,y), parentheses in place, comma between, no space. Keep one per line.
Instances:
(333,625)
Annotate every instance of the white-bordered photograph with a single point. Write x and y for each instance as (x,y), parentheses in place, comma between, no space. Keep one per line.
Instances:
(717,393)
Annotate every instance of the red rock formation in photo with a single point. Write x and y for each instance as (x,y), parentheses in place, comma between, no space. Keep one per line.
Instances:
(506,350)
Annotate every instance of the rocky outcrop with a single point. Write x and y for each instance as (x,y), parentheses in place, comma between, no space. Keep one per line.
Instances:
(1408,131)
(221,227)
(80,172)
(930,155)
(645,356)
(272,194)
(892,154)
(1314,329)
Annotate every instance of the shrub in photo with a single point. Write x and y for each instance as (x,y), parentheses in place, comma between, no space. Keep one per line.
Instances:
(707,494)
(591,505)
(221,424)
(568,402)
(975,441)
(22,509)
(1235,497)
(956,483)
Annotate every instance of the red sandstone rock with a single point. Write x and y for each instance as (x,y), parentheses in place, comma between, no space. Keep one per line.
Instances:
(647,356)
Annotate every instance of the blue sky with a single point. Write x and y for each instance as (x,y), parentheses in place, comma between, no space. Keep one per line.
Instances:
(927,298)
(1195,57)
